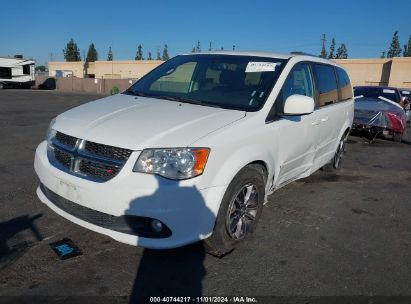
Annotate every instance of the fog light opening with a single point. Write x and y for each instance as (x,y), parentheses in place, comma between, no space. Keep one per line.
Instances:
(156,225)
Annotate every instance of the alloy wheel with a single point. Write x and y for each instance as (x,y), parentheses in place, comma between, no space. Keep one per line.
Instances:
(242,212)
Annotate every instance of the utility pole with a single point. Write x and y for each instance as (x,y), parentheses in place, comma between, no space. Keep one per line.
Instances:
(323,51)
(51,56)
(158,52)
(324,39)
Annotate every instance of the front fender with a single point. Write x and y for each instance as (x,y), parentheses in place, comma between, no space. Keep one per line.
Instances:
(227,168)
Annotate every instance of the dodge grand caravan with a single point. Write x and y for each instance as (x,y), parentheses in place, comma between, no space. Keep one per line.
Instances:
(191,150)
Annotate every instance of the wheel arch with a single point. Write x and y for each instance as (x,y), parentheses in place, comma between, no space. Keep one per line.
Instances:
(250,155)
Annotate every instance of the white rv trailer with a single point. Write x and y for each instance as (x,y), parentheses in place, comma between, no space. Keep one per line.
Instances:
(16,72)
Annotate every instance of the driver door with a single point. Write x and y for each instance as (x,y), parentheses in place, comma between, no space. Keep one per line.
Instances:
(298,135)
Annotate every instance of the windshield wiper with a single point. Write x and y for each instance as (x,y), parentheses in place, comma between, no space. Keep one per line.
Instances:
(185,100)
(173,98)
(136,93)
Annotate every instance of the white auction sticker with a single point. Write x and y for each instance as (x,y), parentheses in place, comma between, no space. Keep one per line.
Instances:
(254,67)
(389,91)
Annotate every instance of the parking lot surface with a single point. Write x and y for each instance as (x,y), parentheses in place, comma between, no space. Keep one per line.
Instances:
(345,233)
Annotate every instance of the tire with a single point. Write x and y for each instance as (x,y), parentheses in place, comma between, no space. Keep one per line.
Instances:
(236,208)
(335,163)
(397,137)
(1,86)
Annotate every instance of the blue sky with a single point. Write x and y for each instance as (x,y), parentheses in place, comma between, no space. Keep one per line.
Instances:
(38,28)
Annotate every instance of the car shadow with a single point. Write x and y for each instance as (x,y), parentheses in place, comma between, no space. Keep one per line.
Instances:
(11,247)
(173,272)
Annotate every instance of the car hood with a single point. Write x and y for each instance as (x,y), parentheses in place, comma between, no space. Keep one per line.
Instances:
(137,123)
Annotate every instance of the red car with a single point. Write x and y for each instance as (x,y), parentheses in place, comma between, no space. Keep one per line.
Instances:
(378,111)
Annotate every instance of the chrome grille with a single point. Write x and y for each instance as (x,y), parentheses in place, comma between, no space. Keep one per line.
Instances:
(63,158)
(107,151)
(97,169)
(67,140)
(86,159)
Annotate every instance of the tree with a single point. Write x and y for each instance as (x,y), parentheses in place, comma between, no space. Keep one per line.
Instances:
(407,48)
(209,47)
(332,50)
(110,54)
(92,54)
(342,52)
(158,54)
(395,48)
(72,52)
(382,55)
(193,50)
(149,56)
(233,47)
(40,68)
(165,53)
(139,54)
(198,48)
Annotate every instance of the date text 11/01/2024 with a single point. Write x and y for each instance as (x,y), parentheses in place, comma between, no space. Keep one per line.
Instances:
(203,299)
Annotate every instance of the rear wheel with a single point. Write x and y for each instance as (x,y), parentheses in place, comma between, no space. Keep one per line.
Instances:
(239,212)
(335,162)
(397,137)
(1,86)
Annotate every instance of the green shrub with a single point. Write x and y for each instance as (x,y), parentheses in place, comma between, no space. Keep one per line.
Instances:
(114,90)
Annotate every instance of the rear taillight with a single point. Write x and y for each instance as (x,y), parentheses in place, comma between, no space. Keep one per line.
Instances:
(396,122)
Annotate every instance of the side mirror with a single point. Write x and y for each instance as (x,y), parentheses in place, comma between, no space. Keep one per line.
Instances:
(298,105)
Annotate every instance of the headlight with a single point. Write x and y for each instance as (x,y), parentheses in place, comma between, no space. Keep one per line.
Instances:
(175,163)
(50,131)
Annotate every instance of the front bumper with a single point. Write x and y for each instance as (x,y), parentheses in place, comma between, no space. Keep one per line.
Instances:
(188,212)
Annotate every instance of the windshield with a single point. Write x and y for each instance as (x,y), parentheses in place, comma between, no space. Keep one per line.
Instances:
(226,81)
(406,93)
(375,92)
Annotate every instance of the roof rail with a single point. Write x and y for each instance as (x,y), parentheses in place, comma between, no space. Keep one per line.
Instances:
(302,53)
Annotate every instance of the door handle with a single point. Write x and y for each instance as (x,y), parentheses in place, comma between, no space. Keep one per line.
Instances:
(324,119)
(316,122)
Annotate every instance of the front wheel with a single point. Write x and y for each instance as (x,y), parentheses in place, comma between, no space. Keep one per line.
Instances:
(239,212)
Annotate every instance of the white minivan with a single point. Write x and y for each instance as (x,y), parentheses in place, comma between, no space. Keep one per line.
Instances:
(192,149)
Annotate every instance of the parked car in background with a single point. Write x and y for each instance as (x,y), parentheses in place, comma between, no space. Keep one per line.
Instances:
(382,92)
(406,96)
(379,111)
(192,149)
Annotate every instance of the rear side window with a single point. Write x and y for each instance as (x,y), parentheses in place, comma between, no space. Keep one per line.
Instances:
(345,84)
(327,84)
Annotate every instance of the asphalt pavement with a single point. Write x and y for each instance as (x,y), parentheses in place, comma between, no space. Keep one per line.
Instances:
(332,234)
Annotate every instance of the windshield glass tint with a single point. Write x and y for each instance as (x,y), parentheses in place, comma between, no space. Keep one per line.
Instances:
(227,81)
(376,92)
